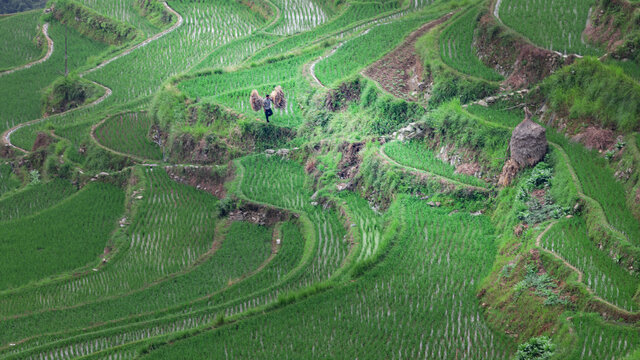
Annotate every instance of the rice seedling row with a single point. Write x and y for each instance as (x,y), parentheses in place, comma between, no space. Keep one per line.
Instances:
(128,133)
(272,73)
(18,43)
(598,182)
(416,154)
(298,16)
(457,51)
(420,302)
(125,11)
(356,13)
(204,29)
(235,52)
(563,21)
(598,339)
(33,199)
(368,222)
(74,233)
(281,183)
(244,248)
(606,278)
(172,228)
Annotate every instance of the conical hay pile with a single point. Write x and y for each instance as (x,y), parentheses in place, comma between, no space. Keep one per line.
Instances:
(277,96)
(255,100)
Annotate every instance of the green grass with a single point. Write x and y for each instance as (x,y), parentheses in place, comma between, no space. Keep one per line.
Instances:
(608,280)
(416,154)
(17,39)
(563,22)
(630,67)
(34,198)
(420,302)
(8,180)
(128,133)
(73,233)
(498,115)
(589,89)
(457,51)
(20,92)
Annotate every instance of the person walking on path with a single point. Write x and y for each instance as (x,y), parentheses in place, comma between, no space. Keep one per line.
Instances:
(266,103)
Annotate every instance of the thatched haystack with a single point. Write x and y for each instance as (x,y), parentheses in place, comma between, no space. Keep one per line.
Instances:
(277,96)
(256,101)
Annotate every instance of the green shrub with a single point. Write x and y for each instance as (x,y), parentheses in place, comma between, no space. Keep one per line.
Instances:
(538,348)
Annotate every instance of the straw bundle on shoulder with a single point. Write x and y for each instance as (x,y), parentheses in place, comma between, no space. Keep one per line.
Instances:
(256,101)
(277,96)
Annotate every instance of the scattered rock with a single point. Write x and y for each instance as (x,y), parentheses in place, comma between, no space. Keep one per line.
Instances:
(269,151)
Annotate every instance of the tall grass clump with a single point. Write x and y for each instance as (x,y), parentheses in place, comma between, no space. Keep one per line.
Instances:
(592,90)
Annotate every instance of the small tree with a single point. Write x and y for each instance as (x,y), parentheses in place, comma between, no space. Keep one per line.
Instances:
(538,348)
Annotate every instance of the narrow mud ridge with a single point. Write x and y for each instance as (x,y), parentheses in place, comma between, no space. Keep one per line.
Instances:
(403,66)
(45,32)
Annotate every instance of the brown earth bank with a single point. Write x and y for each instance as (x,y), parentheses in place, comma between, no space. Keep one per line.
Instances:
(401,72)
(259,214)
(520,62)
(204,178)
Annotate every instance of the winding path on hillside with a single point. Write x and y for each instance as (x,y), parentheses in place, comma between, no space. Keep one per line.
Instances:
(6,136)
(45,32)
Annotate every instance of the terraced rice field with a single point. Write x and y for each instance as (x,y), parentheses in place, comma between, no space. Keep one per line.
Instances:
(20,88)
(75,232)
(608,280)
(416,154)
(457,50)
(129,133)
(123,10)
(18,43)
(299,16)
(388,303)
(204,29)
(34,199)
(563,21)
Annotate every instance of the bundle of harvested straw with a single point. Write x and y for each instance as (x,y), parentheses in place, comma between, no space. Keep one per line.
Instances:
(277,96)
(256,101)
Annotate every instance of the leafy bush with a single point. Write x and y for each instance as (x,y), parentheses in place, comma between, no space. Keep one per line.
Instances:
(67,92)
(538,348)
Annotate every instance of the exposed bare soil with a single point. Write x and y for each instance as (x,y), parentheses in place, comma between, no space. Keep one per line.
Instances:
(400,72)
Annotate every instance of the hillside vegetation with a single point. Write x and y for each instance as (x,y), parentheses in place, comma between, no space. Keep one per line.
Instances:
(444,180)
